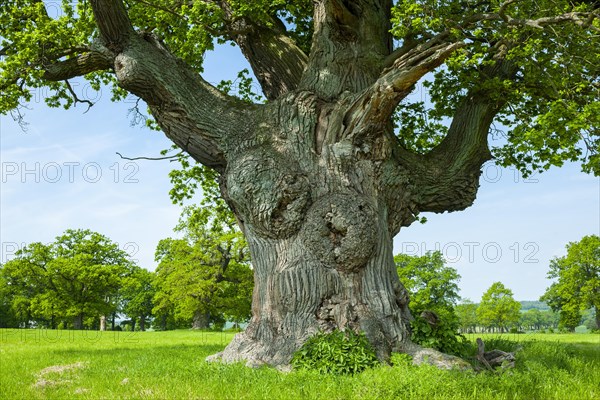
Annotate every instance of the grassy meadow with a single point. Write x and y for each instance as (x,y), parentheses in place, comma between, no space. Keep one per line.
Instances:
(42,364)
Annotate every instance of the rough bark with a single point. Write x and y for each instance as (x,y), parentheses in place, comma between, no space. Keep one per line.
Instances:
(315,211)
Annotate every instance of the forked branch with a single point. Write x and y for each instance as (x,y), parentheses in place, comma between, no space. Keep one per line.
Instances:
(277,62)
(192,113)
(449,178)
(375,106)
(77,66)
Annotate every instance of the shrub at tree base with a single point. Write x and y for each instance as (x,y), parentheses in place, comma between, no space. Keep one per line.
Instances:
(441,336)
(338,352)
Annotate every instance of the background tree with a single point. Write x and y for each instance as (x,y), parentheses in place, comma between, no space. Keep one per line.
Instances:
(551,319)
(589,320)
(532,319)
(498,309)
(578,282)
(137,294)
(8,318)
(205,276)
(466,312)
(433,291)
(317,177)
(77,276)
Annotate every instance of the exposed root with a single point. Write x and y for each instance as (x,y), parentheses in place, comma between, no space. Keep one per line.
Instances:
(422,355)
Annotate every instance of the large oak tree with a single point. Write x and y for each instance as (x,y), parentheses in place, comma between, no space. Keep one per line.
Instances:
(318,178)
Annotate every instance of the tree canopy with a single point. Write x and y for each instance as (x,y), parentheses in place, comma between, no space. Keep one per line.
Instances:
(577,285)
(535,60)
(205,276)
(77,276)
(466,312)
(498,308)
(137,295)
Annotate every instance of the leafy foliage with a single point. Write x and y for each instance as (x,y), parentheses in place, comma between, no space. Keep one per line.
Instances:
(466,312)
(537,320)
(78,275)
(498,308)
(578,281)
(338,352)
(547,96)
(34,35)
(207,271)
(549,93)
(432,287)
(137,293)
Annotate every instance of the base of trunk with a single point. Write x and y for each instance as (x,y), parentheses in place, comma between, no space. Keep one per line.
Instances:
(278,354)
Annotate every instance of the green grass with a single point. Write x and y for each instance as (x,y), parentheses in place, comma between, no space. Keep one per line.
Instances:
(170,365)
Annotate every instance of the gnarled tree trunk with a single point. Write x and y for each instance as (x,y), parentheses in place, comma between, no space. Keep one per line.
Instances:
(319,212)
(316,177)
(317,218)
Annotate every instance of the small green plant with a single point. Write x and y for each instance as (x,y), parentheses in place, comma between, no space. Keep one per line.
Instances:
(401,360)
(443,336)
(338,352)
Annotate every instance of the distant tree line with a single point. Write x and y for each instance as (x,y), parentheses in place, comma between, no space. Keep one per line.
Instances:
(495,315)
(438,315)
(204,279)
(83,280)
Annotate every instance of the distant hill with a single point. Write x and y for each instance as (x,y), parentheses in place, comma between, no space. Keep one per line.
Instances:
(529,304)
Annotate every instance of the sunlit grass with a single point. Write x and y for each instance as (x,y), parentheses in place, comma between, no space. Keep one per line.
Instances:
(170,365)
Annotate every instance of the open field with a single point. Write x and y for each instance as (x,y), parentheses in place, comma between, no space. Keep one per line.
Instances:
(40,364)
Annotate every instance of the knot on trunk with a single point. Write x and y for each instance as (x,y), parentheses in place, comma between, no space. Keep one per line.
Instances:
(341,231)
(270,195)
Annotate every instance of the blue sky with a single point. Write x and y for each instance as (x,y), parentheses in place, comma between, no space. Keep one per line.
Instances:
(64,173)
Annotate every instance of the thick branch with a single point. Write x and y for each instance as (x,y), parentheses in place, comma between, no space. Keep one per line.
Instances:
(174,157)
(351,42)
(375,106)
(113,22)
(276,61)
(77,66)
(579,18)
(192,113)
(583,19)
(450,176)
